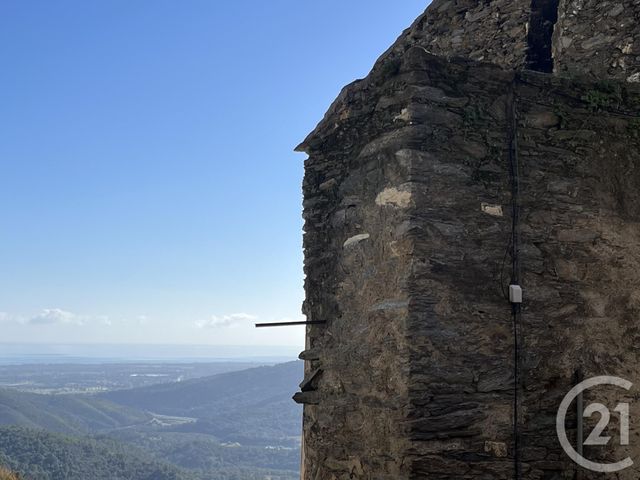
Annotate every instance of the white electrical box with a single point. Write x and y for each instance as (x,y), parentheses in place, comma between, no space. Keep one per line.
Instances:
(515,293)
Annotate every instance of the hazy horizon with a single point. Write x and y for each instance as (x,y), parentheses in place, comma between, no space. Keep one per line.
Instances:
(12,352)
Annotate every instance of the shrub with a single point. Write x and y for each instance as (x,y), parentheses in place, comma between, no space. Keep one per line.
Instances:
(8,474)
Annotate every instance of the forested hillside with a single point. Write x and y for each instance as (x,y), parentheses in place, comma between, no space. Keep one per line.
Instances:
(232,389)
(251,406)
(241,425)
(204,454)
(70,414)
(40,455)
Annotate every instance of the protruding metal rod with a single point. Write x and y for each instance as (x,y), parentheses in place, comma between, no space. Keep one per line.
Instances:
(290,324)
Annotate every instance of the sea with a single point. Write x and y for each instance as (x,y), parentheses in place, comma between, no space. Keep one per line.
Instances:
(36,353)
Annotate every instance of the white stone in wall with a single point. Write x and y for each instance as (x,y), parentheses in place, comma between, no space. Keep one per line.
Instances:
(635,78)
(393,196)
(493,210)
(355,240)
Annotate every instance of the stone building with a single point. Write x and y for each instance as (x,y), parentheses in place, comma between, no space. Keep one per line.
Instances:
(495,143)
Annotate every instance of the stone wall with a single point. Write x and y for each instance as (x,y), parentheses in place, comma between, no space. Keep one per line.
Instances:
(580,155)
(408,193)
(356,259)
(461,377)
(599,36)
(494,31)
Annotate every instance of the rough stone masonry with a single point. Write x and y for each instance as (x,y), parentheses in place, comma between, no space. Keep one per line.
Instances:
(495,140)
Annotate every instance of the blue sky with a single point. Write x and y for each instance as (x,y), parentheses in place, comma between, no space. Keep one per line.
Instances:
(149,191)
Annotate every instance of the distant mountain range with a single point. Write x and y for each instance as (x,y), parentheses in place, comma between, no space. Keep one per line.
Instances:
(69,414)
(12,353)
(248,406)
(239,425)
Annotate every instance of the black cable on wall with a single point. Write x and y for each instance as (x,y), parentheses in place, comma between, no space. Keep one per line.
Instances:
(514,175)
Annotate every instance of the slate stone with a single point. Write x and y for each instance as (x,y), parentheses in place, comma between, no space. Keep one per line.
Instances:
(417,357)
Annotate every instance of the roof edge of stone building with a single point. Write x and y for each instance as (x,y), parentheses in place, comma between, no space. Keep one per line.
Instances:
(302,147)
(512,34)
(425,32)
(345,106)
